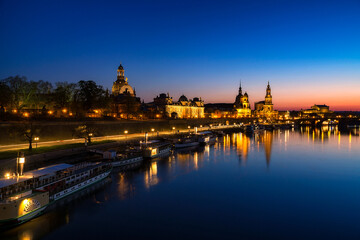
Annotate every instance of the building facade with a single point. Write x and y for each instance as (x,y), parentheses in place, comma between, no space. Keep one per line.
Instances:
(320,110)
(242,104)
(265,109)
(125,104)
(183,108)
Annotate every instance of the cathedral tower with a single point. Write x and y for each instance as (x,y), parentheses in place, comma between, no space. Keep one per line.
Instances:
(121,86)
(242,104)
(268,97)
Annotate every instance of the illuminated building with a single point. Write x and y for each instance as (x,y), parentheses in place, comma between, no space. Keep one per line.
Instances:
(242,104)
(125,102)
(183,108)
(265,109)
(319,110)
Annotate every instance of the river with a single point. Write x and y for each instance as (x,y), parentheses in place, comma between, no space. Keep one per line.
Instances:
(282,184)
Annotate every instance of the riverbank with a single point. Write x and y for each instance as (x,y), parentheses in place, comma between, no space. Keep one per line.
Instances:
(53,151)
(62,130)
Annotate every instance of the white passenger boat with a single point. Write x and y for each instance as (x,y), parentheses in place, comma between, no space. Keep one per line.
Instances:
(156,148)
(26,196)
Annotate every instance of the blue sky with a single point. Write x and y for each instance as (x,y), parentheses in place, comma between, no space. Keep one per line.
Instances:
(308,50)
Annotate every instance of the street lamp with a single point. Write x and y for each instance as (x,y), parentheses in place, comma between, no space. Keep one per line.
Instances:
(126,132)
(153,130)
(20,161)
(36,139)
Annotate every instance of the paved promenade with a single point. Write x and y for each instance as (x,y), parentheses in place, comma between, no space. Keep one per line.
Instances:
(129,136)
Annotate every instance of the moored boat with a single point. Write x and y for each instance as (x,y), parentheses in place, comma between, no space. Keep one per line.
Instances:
(126,159)
(24,197)
(155,148)
(190,141)
(206,137)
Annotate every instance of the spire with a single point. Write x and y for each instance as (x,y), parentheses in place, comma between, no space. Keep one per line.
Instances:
(268,89)
(240,89)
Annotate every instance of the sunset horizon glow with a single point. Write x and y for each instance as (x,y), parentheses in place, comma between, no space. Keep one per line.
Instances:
(309,51)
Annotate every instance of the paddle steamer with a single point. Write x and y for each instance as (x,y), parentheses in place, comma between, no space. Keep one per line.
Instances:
(22,197)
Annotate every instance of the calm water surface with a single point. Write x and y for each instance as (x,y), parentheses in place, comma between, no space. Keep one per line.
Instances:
(275,185)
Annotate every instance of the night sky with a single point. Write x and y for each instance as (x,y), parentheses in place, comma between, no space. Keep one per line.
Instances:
(308,50)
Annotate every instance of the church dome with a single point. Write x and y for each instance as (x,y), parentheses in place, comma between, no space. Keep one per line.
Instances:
(183,98)
(246,94)
(120,67)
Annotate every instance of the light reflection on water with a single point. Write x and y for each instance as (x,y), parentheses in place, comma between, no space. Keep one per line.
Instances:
(271,184)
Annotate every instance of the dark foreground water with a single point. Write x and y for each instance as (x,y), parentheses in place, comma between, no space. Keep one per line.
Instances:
(275,185)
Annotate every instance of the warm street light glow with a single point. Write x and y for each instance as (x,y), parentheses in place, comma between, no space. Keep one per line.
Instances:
(189,127)
(36,139)
(64,110)
(26,114)
(50,112)
(126,131)
(90,134)
(152,129)
(7,175)
(21,159)
(173,128)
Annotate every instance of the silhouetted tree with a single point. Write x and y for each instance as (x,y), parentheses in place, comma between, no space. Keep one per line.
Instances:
(64,94)
(5,94)
(26,131)
(88,95)
(86,131)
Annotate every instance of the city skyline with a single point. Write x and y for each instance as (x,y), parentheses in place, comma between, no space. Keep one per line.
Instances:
(200,50)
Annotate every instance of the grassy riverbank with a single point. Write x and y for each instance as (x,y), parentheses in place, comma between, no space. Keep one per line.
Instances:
(40,150)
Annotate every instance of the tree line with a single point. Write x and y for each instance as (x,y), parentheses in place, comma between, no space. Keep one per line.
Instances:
(18,93)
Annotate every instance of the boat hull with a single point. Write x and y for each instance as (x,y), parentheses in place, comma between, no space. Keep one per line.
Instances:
(127,161)
(79,186)
(23,209)
(185,145)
